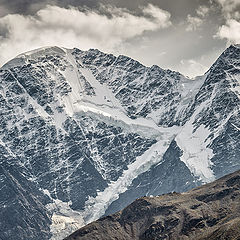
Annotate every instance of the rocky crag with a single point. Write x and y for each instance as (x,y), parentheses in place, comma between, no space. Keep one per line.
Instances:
(84,133)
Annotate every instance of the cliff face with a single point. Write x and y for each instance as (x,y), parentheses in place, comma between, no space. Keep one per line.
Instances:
(87,133)
(211,211)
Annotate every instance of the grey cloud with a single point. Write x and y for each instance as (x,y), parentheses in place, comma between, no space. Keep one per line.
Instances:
(4,32)
(165,47)
(202,10)
(229,6)
(180,8)
(77,28)
(30,7)
(193,23)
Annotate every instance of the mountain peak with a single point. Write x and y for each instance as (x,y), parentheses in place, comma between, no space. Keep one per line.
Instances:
(232,52)
(237,45)
(44,50)
(229,59)
(34,54)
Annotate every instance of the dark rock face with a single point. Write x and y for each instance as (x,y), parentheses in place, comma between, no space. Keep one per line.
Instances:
(93,132)
(27,218)
(208,212)
(160,178)
(158,86)
(220,96)
(227,147)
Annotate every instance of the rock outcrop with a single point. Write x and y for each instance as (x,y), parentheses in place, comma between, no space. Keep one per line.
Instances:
(211,211)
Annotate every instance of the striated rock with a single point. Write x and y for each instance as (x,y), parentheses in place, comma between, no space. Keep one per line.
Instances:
(87,133)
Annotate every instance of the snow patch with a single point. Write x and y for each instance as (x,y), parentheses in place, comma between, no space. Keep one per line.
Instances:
(64,220)
(63,226)
(196,155)
(49,50)
(96,207)
(104,95)
(234,81)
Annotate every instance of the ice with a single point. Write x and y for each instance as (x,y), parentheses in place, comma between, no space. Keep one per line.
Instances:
(103,104)
(48,50)
(95,207)
(234,81)
(63,226)
(196,155)
(64,220)
(21,59)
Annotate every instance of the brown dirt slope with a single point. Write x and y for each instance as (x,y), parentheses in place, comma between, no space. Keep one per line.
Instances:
(209,212)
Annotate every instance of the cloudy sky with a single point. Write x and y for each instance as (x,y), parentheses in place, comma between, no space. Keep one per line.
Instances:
(182,35)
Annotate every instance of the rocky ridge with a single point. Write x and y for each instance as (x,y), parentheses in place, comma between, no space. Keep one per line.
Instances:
(211,212)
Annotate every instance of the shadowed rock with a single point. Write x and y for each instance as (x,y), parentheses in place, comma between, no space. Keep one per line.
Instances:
(208,212)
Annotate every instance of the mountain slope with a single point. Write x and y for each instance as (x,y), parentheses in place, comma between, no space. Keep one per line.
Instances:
(208,212)
(23,212)
(92,132)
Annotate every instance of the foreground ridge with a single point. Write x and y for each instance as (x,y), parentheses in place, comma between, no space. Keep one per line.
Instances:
(211,212)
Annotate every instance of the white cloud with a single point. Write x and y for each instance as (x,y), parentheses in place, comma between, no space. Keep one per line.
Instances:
(77,28)
(193,23)
(230,31)
(202,11)
(191,68)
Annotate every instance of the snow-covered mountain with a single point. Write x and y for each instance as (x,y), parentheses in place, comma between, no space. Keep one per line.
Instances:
(84,133)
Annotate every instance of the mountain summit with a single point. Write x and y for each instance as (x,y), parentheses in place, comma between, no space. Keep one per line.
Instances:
(86,133)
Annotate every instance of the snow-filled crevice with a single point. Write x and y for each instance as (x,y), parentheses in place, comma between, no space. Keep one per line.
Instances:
(195,153)
(96,206)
